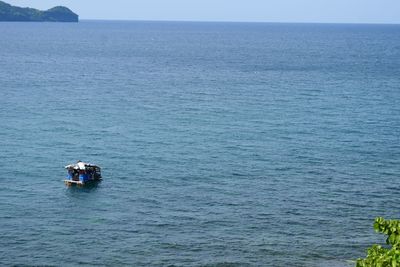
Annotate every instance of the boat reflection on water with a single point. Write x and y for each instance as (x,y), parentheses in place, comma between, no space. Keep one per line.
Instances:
(87,188)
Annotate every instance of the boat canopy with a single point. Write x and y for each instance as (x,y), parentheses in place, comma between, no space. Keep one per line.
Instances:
(81,166)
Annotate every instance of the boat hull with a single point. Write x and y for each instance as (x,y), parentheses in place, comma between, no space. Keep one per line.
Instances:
(80,183)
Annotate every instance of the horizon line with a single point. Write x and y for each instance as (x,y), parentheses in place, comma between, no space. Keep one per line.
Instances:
(231,21)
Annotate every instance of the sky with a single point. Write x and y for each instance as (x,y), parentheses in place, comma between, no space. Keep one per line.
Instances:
(324,11)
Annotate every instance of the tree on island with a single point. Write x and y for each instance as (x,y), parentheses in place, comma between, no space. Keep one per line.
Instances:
(378,256)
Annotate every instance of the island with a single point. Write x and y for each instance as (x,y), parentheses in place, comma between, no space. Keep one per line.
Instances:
(55,14)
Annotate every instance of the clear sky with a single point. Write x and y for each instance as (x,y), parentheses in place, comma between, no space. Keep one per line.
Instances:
(340,11)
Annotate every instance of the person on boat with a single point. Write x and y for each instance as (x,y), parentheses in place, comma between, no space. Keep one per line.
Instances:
(81,165)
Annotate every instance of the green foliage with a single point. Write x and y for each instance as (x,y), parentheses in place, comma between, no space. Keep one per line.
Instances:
(378,256)
(14,13)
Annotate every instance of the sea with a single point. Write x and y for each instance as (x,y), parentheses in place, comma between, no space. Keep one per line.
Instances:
(221,144)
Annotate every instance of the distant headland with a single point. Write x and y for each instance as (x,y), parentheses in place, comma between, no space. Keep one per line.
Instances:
(55,14)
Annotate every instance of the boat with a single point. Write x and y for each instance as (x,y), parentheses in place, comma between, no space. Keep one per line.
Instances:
(82,173)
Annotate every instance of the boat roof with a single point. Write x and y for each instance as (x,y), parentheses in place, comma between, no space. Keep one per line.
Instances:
(81,165)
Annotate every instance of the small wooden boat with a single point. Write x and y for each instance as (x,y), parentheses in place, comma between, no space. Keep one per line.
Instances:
(82,173)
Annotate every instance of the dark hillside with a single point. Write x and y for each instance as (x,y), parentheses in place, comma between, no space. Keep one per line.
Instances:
(55,14)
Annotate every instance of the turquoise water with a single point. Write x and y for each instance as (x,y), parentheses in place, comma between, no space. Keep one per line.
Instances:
(222,144)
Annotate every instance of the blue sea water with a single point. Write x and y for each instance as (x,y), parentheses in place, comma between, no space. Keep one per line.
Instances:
(222,144)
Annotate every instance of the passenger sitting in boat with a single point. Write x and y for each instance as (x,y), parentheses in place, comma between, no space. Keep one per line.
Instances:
(81,165)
